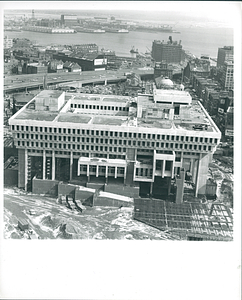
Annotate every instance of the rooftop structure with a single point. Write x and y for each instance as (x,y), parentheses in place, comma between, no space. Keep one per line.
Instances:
(148,139)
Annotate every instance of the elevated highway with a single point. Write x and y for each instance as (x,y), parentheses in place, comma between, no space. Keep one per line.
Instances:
(17,83)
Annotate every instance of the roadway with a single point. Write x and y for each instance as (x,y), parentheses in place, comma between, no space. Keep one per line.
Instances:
(19,82)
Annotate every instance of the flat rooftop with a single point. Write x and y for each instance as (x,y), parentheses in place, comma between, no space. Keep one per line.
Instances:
(101,98)
(49,93)
(154,115)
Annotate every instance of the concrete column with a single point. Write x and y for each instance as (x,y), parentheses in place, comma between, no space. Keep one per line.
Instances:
(180,186)
(191,165)
(21,168)
(97,171)
(169,186)
(125,173)
(53,165)
(172,169)
(25,169)
(202,173)
(163,168)
(151,188)
(115,172)
(44,163)
(71,165)
(154,165)
(181,158)
(194,170)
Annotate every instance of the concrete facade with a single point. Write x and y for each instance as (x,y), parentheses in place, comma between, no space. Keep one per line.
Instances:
(110,141)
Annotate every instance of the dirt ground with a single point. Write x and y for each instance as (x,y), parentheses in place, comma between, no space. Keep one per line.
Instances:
(49,220)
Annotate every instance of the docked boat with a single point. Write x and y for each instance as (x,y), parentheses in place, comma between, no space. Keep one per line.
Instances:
(117,30)
(89,30)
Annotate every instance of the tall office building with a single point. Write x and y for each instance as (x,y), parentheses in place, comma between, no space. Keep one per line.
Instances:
(227,79)
(143,141)
(225,54)
(170,52)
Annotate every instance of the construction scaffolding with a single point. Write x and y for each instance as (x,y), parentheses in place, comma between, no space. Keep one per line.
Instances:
(190,221)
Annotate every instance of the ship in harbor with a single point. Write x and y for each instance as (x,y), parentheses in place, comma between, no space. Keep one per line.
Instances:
(43,29)
(89,30)
(146,28)
(116,30)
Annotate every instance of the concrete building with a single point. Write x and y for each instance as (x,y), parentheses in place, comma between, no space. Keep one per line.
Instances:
(120,141)
(227,80)
(224,54)
(170,52)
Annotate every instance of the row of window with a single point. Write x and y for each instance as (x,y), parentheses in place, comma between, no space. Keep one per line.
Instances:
(101,169)
(100,107)
(108,134)
(114,142)
(144,172)
(79,154)
(102,155)
(71,146)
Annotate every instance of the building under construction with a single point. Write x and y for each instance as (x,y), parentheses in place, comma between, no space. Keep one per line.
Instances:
(190,221)
(140,143)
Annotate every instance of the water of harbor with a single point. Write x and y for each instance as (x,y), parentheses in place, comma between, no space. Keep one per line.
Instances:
(197,40)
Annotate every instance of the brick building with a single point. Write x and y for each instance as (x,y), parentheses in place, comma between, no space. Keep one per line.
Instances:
(170,52)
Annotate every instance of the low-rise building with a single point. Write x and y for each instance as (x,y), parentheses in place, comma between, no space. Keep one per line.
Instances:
(72,67)
(88,62)
(162,69)
(200,67)
(36,68)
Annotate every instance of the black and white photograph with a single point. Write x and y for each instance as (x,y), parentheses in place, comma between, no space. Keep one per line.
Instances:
(119,129)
